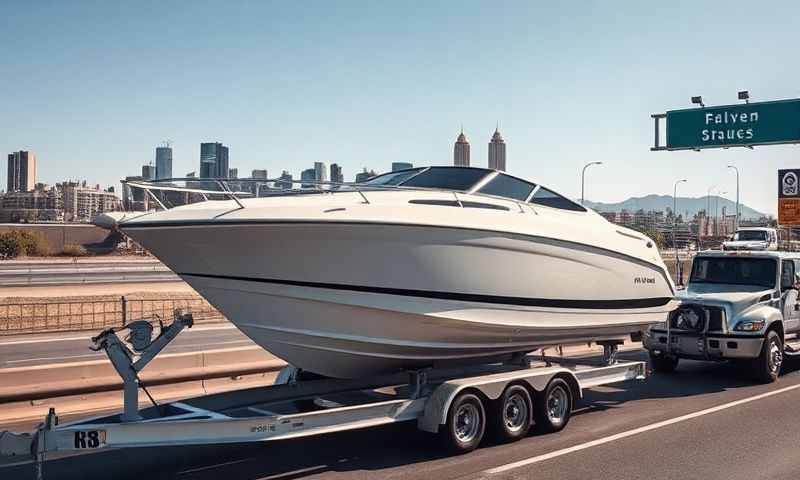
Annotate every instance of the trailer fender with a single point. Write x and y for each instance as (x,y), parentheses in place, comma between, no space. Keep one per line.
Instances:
(490,387)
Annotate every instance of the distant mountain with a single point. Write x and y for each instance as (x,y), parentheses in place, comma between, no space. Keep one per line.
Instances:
(685,204)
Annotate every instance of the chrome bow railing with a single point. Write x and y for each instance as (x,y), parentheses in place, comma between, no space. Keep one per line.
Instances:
(276,187)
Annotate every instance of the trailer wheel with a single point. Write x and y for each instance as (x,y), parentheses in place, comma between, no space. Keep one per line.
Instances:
(466,423)
(510,417)
(553,407)
(663,363)
(767,366)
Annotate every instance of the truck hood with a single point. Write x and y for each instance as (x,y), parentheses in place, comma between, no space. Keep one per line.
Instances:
(735,298)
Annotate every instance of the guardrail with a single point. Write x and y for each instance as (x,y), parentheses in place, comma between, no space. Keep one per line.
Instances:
(75,315)
(81,274)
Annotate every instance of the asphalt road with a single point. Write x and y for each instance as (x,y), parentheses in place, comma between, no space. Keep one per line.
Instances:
(29,350)
(706,421)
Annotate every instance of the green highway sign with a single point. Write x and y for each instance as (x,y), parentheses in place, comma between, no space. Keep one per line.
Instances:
(739,125)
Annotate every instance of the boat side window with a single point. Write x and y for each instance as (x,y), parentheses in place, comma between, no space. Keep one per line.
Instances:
(548,198)
(454,203)
(393,178)
(447,178)
(509,187)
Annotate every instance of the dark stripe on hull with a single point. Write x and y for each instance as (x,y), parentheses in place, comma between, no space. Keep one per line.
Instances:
(461,297)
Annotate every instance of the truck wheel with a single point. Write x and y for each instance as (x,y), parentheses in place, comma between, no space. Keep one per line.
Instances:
(510,417)
(767,366)
(553,407)
(466,422)
(663,363)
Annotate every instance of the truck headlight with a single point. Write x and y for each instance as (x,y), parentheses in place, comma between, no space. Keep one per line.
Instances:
(750,326)
(659,326)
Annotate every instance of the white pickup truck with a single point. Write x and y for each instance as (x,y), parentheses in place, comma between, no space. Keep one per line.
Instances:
(740,306)
(753,238)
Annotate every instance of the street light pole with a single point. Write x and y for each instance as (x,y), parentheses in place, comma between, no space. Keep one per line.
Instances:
(583,175)
(678,276)
(736,219)
(708,208)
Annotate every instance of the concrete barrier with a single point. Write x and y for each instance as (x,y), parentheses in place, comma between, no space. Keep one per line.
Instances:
(59,380)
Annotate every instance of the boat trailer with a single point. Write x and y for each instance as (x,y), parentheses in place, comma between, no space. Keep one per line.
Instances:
(297,407)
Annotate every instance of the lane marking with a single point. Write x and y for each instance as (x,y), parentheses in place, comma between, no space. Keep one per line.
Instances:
(635,431)
(87,337)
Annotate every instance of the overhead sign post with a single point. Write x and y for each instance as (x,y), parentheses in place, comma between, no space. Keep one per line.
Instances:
(742,125)
(789,197)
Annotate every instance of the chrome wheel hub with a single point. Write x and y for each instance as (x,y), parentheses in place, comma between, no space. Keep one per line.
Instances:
(467,423)
(515,413)
(557,405)
(775,357)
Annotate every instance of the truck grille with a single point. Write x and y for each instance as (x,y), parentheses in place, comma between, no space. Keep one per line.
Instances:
(695,318)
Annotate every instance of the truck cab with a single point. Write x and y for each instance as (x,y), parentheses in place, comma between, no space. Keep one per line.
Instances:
(740,306)
(755,238)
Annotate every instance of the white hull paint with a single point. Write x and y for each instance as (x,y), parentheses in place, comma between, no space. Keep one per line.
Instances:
(357,294)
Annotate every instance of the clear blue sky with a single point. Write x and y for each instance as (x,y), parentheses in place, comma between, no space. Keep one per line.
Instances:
(93,87)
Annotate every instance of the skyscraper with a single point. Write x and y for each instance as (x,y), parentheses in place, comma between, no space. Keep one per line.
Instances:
(148,172)
(401,166)
(163,162)
(320,172)
(21,171)
(497,152)
(260,174)
(233,173)
(336,173)
(461,151)
(308,175)
(213,160)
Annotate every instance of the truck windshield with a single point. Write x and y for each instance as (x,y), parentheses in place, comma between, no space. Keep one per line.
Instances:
(751,235)
(735,271)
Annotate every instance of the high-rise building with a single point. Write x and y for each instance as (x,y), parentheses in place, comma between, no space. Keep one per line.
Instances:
(461,151)
(286,183)
(260,174)
(365,175)
(233,173)
(148,172)
(163,162)
(401,166)
(21,171)
(320,172)
(336,173)
(308,175)
(497,152)
(82,203)
(213,160)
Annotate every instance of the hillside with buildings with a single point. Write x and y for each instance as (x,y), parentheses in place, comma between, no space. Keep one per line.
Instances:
(687,207)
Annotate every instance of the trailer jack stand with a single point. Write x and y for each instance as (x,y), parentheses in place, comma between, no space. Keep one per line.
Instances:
(610,350)
(124,361)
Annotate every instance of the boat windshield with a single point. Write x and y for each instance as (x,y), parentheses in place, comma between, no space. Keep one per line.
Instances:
(735,271)
(393,178)
(464,179)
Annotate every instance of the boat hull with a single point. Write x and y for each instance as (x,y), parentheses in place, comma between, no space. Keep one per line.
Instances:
(351,299)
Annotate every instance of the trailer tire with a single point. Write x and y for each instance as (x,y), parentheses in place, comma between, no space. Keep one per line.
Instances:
(466,423)
(510,415)
(663,363)
(767,366)
(553,407)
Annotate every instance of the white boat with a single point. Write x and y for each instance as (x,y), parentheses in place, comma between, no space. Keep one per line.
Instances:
(416,268)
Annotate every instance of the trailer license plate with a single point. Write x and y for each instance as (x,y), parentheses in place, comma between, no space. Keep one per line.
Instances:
(87,439)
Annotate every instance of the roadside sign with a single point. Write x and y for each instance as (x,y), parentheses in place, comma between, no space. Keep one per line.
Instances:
(789,197)
(741,125)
